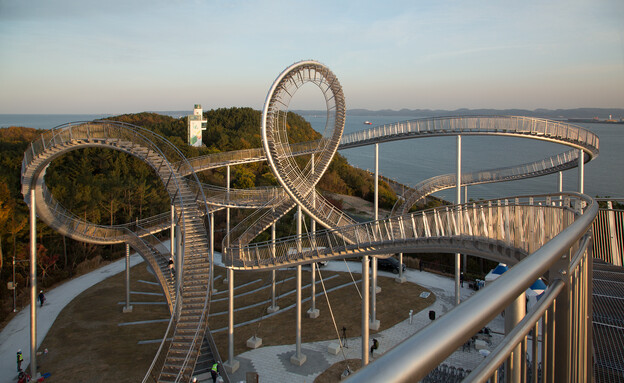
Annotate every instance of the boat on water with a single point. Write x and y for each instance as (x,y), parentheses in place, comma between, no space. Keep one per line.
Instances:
(368,123)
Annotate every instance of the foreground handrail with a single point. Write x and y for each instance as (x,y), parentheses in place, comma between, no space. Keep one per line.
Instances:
(412,359)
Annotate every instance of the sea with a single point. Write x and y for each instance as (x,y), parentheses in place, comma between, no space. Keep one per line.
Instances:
(414,160)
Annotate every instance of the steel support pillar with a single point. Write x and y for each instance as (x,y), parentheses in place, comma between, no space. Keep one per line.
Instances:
(212,289)
(232,364)
(227,209)
(459,221)
(127,308)
(513,315)
(400,278)
(560,182)
(33,285)
(365,319)
(374,323)
(581,171)
(274,307)
(298,358)
(313,312)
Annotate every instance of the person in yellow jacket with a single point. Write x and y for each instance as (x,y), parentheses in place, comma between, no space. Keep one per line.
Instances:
(214,372)
(20,359)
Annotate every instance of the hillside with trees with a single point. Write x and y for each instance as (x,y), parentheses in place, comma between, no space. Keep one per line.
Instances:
(111,187)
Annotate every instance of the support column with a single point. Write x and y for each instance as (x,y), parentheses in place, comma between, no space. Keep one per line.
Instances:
(401,277)
(560,182)
(231,364)
(365,297)
(459,221)
(274,307)
(581,171)
(298,358)
(513,315)
(313,312)
(127,308)
(227,209)
(33,285)
(374,322)
(212,288)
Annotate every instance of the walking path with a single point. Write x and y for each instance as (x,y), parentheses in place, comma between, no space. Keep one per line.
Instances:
(16,334)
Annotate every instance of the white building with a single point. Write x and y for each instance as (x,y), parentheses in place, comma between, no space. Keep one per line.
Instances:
(196,124)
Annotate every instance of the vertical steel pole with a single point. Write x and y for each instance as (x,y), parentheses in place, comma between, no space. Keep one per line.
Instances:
(560,182)
(128,308)
(458,199)
(298,358)
(212,252)
(374,323)
(581,171)
(313,312)
(227,209)
(173,237)
(298,335)
(231,316)
(274,306)
(613,237)
(365,297)
(33,285)
(513,315)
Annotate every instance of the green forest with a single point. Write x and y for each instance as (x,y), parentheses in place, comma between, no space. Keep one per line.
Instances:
(111,187)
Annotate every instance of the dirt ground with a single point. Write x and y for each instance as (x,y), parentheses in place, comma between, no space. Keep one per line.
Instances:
(86,344)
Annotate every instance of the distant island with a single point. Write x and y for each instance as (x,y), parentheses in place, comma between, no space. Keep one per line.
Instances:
(588,115)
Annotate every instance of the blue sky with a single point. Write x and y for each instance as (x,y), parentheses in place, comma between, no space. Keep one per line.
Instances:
(120,56)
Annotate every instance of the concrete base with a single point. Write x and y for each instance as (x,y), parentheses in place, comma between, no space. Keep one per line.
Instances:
(313,313)
(127,309)
(272,309)
(254,342)
(333,348)
(400,279)
(231,366)
(374,325)
(298,361)
(377,290)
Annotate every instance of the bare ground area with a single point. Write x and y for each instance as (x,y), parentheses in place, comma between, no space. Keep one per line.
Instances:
(86,343)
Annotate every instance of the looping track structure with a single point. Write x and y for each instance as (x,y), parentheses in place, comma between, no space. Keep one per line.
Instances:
(506,230)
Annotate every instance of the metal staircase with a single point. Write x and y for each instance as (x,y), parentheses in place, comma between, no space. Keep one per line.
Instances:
(192,303)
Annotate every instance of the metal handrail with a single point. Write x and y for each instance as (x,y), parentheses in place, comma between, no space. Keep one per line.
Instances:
(553,164)
(518,223)
(412,359)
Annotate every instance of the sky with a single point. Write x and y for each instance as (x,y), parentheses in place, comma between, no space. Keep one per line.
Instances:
(120,56)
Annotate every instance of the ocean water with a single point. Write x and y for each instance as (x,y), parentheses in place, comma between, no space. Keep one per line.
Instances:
(414,160)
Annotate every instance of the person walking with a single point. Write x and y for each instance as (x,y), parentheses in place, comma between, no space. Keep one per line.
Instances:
(41,298)
(171,269)
(375,346)
(214,372)
(20,359)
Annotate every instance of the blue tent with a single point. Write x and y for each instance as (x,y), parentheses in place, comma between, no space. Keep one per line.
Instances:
(496,272)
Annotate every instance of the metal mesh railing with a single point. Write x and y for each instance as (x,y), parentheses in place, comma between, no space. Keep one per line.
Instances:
(556,131)
(523,223)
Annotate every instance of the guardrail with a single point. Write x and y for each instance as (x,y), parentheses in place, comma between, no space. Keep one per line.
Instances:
(564,314)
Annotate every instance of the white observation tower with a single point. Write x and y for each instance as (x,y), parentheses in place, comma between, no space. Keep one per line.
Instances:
(196,124)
